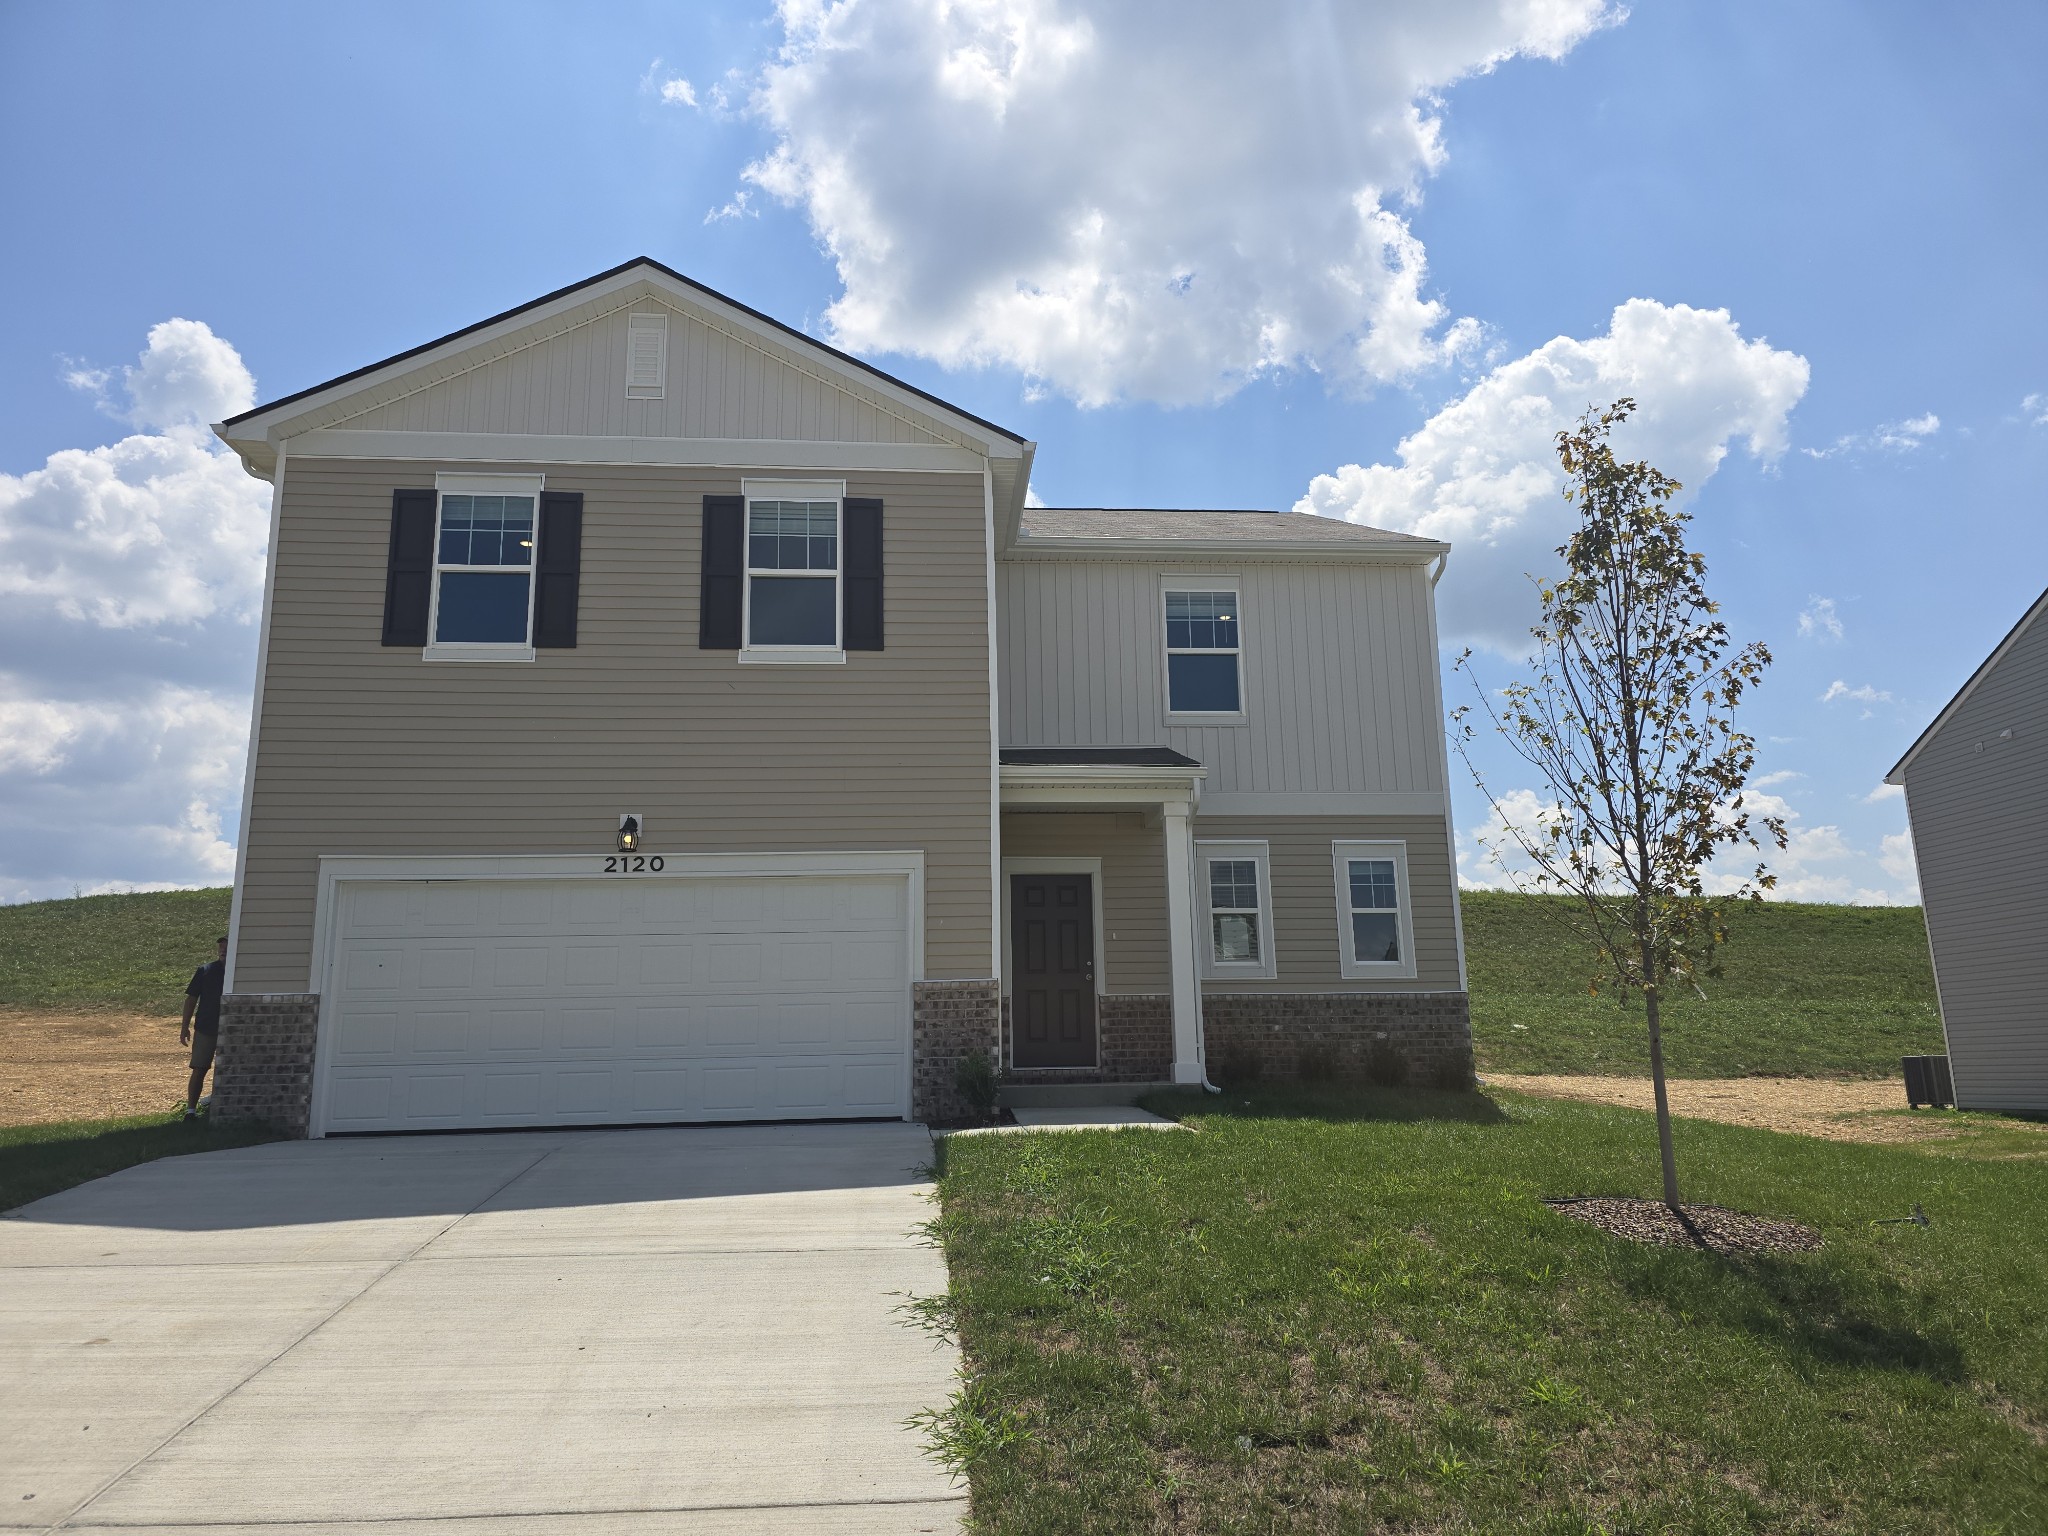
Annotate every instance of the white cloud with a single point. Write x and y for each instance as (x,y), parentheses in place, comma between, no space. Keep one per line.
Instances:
(1897,436)
(1819,621)
(1782,776)
(1483,472)
(1898,861)
(678,92)
(1152,200)
(1865,694)
(1885,792)
(1818,863)
(131,575)
(2036,406)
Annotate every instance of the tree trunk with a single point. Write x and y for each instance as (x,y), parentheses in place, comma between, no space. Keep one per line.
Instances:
(1663,1102)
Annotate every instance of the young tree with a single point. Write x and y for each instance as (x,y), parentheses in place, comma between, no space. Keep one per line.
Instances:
(1629,718)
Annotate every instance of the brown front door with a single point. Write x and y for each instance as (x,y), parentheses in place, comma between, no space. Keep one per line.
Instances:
(1052,978)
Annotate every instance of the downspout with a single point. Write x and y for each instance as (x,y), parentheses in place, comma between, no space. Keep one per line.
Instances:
(255,714)
(1201,1023)
(1437,575)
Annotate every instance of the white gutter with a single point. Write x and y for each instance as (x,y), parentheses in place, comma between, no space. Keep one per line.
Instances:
(255,721)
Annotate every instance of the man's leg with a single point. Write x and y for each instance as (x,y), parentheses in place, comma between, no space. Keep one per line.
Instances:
(202,1061)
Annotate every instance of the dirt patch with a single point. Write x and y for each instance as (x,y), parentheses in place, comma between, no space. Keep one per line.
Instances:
(87,1066)
(1835,1110)
(1704,1226)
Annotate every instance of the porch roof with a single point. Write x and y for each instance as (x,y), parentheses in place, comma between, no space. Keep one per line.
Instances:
(1096,757)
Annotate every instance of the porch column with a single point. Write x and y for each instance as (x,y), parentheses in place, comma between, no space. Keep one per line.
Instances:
(1180,938)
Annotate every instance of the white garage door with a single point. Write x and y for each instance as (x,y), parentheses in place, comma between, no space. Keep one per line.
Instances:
(564,1002)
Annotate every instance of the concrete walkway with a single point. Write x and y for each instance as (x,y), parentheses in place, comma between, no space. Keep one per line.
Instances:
(629,1332)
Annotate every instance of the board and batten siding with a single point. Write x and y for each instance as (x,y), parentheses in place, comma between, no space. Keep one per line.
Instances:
(1306,931)
(1978,804)
(1339,682)
(719,385)
(369,749)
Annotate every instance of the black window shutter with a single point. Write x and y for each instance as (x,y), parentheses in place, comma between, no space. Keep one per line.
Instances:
(557,570)
(722,574)
(862,572)
(409,574)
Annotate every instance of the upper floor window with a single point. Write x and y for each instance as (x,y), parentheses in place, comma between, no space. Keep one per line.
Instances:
(792,574)
(1376,935)
(1202,652)
(483,564)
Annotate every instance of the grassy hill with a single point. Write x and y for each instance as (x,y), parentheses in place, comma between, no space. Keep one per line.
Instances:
(117,954)
(1810,990)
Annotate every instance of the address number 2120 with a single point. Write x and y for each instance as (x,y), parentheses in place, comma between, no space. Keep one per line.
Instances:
(633,864)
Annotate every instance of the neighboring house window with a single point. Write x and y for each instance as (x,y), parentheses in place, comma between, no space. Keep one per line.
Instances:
(1238,887)
(792,574)
(483,567)
(1202,653)
(1376,931)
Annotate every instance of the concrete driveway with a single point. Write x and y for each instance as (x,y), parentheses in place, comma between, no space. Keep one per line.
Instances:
(626,1332)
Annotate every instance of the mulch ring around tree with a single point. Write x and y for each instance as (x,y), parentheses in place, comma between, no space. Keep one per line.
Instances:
(1710,1227)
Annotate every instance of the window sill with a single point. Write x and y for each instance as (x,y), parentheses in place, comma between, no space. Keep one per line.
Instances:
(477,653)
(1203,717)
(1215,972)
(769,656)
(1351,970)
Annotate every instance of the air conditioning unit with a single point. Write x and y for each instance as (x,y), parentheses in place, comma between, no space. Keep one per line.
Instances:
(1928,1082)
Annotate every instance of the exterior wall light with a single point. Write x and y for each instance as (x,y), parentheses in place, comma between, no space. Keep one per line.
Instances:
(629,832)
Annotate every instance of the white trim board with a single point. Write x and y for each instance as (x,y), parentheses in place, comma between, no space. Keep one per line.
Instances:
(337,868)
(1254,802)
(256,716)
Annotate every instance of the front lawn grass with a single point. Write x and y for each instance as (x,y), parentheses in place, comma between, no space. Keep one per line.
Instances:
(1336,1309)
(133,953)
(39,1160)
(1809,991)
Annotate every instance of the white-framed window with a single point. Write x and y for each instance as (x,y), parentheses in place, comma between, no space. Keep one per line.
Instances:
(1236,892)
(1375,926)
(486,528)
(793,607)
(1204,649)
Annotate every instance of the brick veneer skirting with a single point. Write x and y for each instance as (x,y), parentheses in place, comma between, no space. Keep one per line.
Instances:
(1134,1044)
(263,1069)
(949,1020)
(1431,1030)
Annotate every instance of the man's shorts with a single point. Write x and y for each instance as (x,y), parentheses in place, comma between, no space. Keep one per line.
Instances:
(203,1041)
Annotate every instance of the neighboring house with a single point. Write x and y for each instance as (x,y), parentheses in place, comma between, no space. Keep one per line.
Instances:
(907,767)
(1976,787)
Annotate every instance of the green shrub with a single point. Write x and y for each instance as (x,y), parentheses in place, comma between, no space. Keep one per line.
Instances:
(1316,1062)
(1236,1064)
(1385,1067)
(975,1076)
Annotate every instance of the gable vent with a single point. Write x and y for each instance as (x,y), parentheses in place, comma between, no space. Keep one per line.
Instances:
(646,356)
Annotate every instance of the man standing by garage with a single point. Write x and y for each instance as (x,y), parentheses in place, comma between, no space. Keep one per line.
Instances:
(200,1028)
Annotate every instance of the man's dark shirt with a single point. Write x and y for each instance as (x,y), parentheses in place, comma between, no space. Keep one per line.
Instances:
(206,985)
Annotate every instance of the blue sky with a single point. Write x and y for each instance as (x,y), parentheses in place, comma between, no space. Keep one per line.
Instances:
(1860,187)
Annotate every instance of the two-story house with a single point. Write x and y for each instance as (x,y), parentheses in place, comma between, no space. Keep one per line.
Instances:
(665,717)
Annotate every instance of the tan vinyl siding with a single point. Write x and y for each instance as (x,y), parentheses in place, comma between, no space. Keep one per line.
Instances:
(720,384)
(1305,929)
(1978,803)
(1133,893)
(366,749)
(1338,676)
